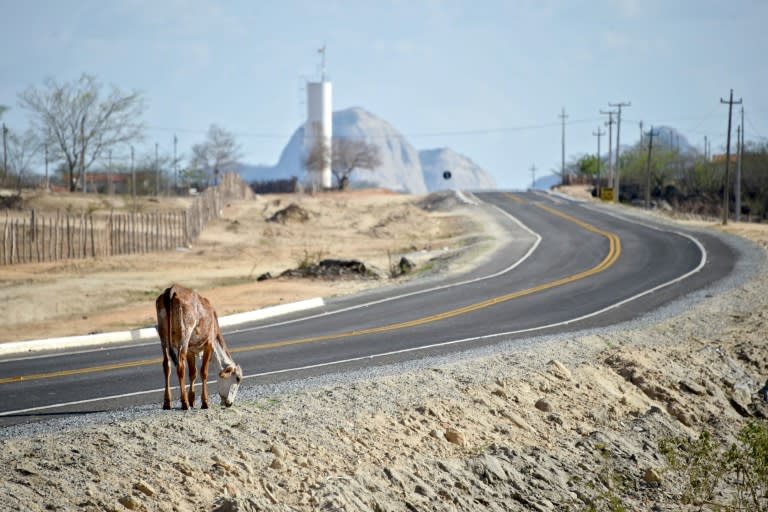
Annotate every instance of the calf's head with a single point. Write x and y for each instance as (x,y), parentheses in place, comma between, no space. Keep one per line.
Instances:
(229,382)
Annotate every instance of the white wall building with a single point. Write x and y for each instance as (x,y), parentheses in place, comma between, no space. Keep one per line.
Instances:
(319,127)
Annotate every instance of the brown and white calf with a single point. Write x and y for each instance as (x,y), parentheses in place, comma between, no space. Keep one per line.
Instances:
(188,328)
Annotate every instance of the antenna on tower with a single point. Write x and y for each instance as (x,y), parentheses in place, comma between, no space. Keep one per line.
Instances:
(321,51)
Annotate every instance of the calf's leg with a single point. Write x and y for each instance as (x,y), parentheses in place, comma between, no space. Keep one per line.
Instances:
(180,369)
(204,374)
(192,377)
(167,372)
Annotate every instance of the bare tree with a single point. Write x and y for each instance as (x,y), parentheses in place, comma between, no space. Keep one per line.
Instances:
(219,153)
(318,155)
(81,123)
(350,154)
(23,149)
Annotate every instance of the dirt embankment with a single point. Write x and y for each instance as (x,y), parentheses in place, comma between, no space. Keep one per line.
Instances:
(571,423)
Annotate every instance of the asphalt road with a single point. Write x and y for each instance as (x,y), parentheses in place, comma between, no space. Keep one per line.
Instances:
(567,267)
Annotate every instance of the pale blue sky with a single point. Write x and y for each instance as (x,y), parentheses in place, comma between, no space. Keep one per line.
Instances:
(485,78)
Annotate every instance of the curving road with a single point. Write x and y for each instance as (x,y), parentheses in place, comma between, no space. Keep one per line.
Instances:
(567,267)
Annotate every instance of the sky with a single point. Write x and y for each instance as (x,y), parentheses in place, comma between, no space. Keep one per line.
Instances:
(487,78)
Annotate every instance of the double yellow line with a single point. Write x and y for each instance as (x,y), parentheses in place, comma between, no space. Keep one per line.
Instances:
(614,252)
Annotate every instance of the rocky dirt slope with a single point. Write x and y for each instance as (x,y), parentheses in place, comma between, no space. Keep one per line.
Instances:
(568,423)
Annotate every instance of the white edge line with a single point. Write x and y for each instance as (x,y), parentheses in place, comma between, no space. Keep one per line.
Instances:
(698,268)
(511,267)
(150,333)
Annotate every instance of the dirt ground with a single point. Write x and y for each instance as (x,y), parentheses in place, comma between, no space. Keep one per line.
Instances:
(107,294)
(569,423)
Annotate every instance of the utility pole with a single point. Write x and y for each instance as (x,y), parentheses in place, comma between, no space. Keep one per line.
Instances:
(562,116)
(726,195)
(651,134)
(175,166)
(5,152)
(737,188)
(157,172)
(133,180)
(642,134)
(599,135)
(738,167)
(705,148)
(610,147)
(533,176)
(47,182)
(619,105)
(110,184)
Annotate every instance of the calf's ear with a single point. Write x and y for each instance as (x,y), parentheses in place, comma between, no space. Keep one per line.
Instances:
(226,372)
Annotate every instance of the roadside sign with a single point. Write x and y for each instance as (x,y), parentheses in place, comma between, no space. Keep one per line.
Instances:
(606,194)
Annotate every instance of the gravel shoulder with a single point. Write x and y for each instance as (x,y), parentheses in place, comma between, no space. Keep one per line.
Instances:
(560,423)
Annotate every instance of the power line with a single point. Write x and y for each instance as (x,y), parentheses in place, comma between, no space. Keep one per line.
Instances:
(447,133)
(754,128)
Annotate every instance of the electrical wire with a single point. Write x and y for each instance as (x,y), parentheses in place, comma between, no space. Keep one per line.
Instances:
(447,133)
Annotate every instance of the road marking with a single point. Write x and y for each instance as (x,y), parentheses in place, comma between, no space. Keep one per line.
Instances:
(79,371)
(515,198)
(529,252)
(613,254)
(698,268)
(702,262)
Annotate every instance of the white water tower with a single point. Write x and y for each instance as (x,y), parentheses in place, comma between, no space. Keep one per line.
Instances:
(319,125)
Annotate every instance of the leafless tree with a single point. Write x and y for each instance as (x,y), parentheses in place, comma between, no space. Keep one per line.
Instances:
(317,157)
(80,123)
(219,153)
(350,154)
(346,156)
(23,149)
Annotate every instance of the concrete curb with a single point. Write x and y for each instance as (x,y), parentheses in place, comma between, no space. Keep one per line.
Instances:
(150,333)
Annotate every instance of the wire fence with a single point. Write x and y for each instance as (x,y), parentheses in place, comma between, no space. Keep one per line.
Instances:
(36,238)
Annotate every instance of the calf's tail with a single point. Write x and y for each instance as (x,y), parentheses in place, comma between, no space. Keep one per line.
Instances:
(168,302)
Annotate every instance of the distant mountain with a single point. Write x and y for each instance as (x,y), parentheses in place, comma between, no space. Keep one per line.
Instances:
(402,167)
(547,182)
(465,174)
(670,138)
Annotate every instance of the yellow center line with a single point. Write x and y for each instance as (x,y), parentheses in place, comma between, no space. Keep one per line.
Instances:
(515,197)
(80,371)
(614,251)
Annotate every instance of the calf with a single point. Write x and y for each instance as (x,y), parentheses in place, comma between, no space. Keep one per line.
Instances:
(188,327)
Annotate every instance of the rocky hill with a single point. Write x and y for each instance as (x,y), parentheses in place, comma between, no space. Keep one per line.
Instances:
(465,174)
(402,168)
